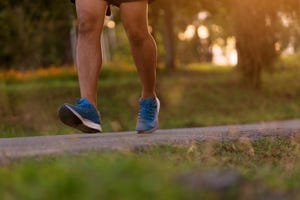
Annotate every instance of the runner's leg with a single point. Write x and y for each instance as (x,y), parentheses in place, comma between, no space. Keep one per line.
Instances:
(134,16)
(90,14)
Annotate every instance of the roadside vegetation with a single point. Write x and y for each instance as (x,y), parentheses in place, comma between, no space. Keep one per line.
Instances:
(261,169)
(195,95)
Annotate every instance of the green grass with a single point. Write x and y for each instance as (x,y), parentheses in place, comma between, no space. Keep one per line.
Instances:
(266,167)
(195,95)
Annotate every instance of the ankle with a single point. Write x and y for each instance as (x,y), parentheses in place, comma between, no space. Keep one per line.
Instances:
(148,95)
(91,101)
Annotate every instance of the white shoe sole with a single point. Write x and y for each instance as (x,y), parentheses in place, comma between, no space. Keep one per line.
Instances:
(71,118)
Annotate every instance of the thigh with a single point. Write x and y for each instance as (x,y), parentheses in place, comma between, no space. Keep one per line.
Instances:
(134,15)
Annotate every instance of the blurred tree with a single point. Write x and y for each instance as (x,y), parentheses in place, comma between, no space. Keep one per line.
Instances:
(34,33)
(255,38)
(290,16)
(258,29)
(168,33)
(37,33)
(167,19)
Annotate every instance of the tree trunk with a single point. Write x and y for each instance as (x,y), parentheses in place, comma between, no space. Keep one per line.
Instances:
(255,38)
(168,37)
(250,69)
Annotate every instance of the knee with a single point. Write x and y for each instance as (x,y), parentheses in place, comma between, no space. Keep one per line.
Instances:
(137,36)
(87,23)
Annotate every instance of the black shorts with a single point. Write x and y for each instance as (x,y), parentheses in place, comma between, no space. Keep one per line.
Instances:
(117,2)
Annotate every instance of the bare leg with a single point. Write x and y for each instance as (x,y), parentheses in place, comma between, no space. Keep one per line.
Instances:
(90,15)
(134,16)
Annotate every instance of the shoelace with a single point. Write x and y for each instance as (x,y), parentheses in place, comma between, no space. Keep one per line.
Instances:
(147,111)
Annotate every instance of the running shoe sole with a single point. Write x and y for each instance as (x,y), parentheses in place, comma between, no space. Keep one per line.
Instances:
(148,131)
(71,118)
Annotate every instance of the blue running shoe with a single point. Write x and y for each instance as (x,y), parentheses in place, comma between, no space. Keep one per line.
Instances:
(147,121)
(82,116)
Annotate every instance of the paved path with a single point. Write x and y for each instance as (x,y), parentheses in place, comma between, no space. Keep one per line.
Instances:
(73,143)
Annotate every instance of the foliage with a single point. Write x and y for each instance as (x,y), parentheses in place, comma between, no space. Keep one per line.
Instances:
(261,29)
(168,19)
(258,27)
(34,34)
(38,34)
